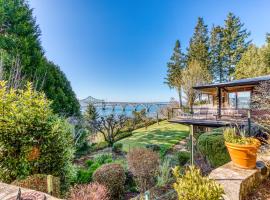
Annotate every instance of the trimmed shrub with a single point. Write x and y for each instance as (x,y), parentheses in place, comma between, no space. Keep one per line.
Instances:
(117,147)
(93,191)
(212,146)
(193,186)
(143,163)
(113,177)
(183,157)
(32,138)
(39,182)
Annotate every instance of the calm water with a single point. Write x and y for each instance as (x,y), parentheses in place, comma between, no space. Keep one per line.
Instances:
(152,112)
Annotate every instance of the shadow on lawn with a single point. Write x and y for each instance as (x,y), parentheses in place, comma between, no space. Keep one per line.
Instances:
(160,137)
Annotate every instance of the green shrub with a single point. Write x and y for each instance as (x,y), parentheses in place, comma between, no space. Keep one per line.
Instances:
(89,163)
(103,158)
(32,138)
(212,146)
(153,147)
(183,157)
(39,182)
(163,151)
(117,147)
(85,175)
(193,186)
(113,177)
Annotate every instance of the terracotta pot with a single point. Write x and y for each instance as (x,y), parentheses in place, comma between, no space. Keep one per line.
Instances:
(243,156)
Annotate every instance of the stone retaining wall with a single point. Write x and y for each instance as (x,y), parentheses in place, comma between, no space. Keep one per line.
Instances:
(237,182)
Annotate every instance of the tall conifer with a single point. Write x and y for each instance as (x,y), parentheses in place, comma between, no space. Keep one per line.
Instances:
(174,71)
(234,43)
(199,46)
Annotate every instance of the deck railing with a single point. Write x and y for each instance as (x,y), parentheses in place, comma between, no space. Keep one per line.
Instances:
(209,113)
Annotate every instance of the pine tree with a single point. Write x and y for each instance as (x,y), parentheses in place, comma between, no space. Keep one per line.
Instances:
(91,113)
(234,43)
(199,46)
(217,61)
(175,69)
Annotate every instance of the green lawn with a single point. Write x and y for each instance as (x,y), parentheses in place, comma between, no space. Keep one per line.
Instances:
(165,134)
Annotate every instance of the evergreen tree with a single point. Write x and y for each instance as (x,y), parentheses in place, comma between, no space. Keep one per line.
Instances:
(234,43)
(217,61)
(91,113)
(199,46)
(22,58)
(174,71)
(252,63)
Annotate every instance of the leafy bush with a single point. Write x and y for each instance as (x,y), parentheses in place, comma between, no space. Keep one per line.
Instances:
(212,146)
(163,151)
(39,182)
(85,175)
(193,186)
(93,191)
(164,174)
(32,138)
(113,177)
(143,163)
(183,157)
(117,147)
(103,158)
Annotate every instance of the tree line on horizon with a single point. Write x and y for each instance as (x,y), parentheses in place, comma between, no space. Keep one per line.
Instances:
(22,58)
(223,54)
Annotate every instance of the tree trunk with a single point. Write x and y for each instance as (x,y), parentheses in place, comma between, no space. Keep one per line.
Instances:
(180,97)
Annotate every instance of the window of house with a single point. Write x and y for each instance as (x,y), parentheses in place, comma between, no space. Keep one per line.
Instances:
(232,100)
(239,100)
(243,99)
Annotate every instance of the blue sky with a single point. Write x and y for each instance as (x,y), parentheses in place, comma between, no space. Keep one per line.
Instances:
(118,49)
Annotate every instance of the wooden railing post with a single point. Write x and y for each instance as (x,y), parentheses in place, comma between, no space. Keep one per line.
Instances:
(192,144)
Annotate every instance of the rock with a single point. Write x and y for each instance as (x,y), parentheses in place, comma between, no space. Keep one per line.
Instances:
(237,182)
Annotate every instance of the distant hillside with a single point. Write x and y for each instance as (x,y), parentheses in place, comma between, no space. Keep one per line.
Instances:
(86,101)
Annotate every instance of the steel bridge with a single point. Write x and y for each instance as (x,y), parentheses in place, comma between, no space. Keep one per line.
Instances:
(133,105)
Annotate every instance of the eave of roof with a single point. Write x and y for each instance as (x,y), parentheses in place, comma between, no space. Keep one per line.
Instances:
(240,82)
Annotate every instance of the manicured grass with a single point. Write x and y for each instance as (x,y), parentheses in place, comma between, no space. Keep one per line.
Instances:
(165,134)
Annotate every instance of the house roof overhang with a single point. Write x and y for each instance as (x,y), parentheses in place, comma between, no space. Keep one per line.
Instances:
(236,85)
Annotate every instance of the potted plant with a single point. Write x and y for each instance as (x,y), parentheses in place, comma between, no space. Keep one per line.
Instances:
(242,149)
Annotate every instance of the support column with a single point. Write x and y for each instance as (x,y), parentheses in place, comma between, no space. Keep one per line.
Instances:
(219,96)
(192,143)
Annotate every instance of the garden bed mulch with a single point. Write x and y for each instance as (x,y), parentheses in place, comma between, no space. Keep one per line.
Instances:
(261,193)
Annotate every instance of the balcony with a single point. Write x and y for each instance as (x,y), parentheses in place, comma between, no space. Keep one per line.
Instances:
(209,116)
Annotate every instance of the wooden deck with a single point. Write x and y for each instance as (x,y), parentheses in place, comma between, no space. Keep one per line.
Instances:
(202,122)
